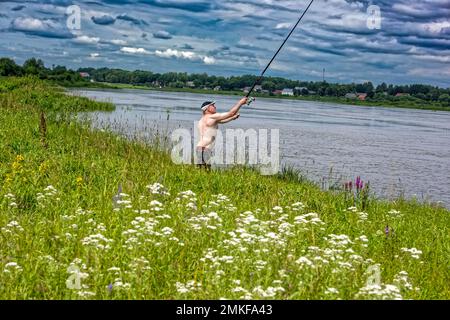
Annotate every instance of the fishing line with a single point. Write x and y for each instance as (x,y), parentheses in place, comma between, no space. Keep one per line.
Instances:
(278,51)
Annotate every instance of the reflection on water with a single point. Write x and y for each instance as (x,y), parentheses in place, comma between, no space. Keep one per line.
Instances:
(400,151)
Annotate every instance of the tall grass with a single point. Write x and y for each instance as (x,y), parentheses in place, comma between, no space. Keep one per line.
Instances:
(94,215)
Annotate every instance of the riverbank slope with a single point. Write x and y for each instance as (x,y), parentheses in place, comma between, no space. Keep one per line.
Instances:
(130,224)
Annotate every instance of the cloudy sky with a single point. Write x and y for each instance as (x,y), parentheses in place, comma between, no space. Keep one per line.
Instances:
(233,37)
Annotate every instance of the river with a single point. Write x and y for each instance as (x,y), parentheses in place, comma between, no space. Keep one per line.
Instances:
(400,151)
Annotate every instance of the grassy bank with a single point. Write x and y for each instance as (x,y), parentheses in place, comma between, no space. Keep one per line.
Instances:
(328,99)
(177,232)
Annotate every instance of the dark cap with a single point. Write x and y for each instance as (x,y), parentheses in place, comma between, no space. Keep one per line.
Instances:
(206,104)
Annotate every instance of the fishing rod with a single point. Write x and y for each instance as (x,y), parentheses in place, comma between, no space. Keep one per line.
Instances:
(278,51)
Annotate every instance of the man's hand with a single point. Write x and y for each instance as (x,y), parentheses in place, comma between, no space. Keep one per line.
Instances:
(243,101)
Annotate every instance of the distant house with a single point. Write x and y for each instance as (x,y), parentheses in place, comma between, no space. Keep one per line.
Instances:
(157,84)
(287,92)
(361,96)
(265,91)
(350,96)
(217,88)
(206,88)
(190,84)
(301,90)
(257,88)
(85,75)
(401,94)
(278,92)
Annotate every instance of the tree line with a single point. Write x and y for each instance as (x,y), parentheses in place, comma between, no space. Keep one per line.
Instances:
(381,92)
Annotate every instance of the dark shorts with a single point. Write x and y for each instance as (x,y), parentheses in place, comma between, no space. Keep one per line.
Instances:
(203,155)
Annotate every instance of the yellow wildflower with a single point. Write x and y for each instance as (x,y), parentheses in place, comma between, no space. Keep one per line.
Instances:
(43,167)
(16,166)
(17,163)
(8,179)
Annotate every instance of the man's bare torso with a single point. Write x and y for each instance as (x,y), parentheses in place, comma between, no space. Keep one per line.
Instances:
(208,130)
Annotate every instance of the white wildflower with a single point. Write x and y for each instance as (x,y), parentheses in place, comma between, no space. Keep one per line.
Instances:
(379,292)
(158,188)
(394,213)
(331,291)
(167,231)
(12,266)
(415,253)
(304,261)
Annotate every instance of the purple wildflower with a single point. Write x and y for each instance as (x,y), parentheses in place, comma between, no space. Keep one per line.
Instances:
(359,183)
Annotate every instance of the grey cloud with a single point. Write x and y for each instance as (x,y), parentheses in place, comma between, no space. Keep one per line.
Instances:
(432,10)
(187,47)
(438,44)
(127,17)
(193,6)
(18,8)
(267,37)
(103,20)
(162,35)
(381,64)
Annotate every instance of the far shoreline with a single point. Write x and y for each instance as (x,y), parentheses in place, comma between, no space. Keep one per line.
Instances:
(331,100)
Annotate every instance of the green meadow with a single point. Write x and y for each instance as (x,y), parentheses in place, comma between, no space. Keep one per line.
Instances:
(88,214)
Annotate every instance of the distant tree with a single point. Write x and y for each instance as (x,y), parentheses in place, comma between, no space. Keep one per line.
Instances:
(9,68)
(380,96)
(359,87)
(330,91)
(433,94)
(198,83)
(59,70)
(419,88)
(444,99)
(365,87)
(268,85)
(178,84)
(381,88)
(34,66)
(421,96)
(418,92)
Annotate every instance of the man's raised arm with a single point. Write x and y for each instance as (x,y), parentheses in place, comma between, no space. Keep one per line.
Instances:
(233,111)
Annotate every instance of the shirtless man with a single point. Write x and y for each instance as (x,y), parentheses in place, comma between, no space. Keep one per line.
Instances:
(208,125)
